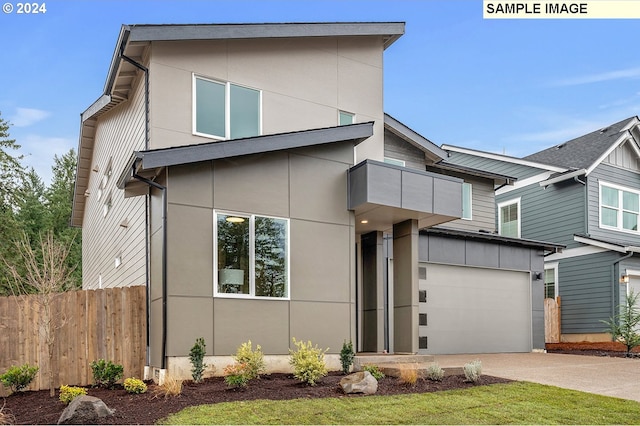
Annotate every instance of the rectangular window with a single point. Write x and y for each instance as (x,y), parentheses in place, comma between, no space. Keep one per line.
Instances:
(345,118)
(225,110)
(551,281)
(394,161)
(466,201)
(509,218)
(619,207)
(252,255)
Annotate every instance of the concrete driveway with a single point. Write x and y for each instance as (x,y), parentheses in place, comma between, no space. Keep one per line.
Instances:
(617,377)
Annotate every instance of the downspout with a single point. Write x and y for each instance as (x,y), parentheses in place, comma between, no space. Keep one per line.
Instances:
(145,70)
(164,261)
(615,279)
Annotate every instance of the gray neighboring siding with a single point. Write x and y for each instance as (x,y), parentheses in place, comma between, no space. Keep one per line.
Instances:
(399,149)
(585,290)
(614,175)
(553,214)
(495,166)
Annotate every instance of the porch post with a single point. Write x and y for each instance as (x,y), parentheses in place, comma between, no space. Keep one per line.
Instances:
(405,286)
(372,296)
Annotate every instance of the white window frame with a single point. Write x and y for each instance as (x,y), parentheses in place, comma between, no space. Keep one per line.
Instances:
(395,161)
(553,266)
(620,209)
(227,107)
(252,289)
(470,217)
(516,201)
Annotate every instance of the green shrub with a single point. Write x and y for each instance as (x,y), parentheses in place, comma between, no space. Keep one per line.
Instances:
(133,385)
(473,371)
(308,362)
(252,360)
(68,393)
(346,356)
(374,370)
(106,373)
(196,356)
(18,378)
(435,373)
(237,375)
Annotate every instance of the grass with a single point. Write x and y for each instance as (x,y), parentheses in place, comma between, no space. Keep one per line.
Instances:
(511,403)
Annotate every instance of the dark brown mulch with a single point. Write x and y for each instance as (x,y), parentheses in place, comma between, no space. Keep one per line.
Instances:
(36,407)
(611,349)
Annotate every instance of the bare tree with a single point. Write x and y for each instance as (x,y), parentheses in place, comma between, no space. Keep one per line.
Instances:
(43,274)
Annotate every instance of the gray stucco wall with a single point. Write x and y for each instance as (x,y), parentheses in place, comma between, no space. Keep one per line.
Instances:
(468,252)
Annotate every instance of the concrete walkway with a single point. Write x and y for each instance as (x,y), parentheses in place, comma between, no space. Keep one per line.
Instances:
(617,377)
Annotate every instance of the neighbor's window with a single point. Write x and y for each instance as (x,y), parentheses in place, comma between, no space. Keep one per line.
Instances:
(225,110)
(551,281)
(619,207)
(509,218)
(345,118)
(466,201)
(252,255)
(394,161)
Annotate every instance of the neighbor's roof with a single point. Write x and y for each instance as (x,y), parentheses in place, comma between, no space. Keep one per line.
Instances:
(585,151)
(487,236)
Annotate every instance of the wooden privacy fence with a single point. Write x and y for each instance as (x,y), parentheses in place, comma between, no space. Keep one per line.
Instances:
(108,324)
(552,321)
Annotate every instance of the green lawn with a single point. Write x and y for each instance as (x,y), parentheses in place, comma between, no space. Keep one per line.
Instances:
(511,403)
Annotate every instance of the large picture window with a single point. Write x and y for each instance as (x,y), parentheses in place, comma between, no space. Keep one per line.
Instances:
(252,255)
(619,208)
(225,110)
(509,218)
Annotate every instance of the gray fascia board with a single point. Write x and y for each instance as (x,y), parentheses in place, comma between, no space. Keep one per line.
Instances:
(144,33)
(413,137)
(255,145)
(508,180)
(95,107)
(456,233)
(123,39)
(127,172)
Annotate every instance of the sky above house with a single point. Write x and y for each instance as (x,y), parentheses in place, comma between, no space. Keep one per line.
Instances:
(507,86)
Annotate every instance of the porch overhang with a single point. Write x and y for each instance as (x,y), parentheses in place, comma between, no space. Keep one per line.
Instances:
(383,194)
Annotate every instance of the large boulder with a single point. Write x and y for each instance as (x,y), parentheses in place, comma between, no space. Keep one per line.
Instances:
(360,382)
(84,410)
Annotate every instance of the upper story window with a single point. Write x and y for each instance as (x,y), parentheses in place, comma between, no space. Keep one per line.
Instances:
(509,218)
(394,161)
(466,201)
(619,207)
(225,110)
(252,256)
(345,118)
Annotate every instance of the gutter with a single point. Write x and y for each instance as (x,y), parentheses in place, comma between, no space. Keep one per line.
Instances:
(565,176)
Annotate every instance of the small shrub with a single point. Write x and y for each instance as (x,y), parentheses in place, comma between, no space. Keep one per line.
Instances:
(346,356)
(307,362)
(133,385)
(374,370)
(253,361)
(435,373)
(472,371)
(196,356)
(106,373)
(408,376)
(170,387)
(237,375)
(19,378)
(68,393)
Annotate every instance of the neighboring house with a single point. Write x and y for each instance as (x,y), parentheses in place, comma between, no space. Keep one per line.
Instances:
(585,194)
(247,175)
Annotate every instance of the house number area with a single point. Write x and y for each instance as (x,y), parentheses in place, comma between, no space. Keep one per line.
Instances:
(25,8)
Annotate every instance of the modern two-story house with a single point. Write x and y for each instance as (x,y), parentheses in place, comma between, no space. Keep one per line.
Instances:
(248,176)
(583,194)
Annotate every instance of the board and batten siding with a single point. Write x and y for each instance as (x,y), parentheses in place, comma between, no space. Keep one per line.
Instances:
(119,132)
(399,149)
(607,173)
(586,293)
(490,165)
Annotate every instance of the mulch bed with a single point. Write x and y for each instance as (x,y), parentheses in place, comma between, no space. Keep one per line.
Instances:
(612,349)
(36,407)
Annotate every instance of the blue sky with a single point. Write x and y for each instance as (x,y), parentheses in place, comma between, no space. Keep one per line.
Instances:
(506,86)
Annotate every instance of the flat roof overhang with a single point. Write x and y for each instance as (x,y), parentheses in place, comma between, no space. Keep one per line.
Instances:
(383,194)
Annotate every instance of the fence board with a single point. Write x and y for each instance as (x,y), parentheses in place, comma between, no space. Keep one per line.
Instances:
(551,321)
(109,324)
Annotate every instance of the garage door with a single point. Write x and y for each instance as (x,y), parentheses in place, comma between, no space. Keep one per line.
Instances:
(474,310)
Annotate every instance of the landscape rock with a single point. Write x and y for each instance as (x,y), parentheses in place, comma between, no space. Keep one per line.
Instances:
(84,410)
(360,382)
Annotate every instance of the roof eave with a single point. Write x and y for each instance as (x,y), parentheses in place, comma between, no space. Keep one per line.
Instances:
(414,138)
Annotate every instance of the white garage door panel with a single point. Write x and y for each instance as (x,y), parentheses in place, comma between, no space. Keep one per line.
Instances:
(472,310)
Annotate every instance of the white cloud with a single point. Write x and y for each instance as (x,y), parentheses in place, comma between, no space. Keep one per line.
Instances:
(629,73)
(40,150)
(27,116)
